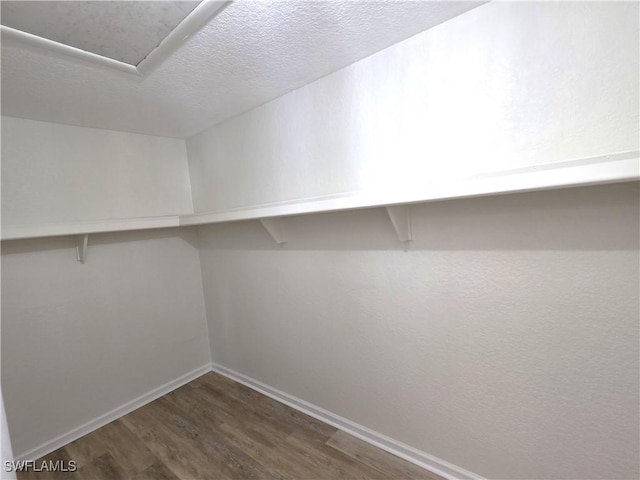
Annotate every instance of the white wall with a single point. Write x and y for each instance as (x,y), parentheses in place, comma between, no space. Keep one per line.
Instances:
(504,85)
(79,340)
(505,340)
(55,173)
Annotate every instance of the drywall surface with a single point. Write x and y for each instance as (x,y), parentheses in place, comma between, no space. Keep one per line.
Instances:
(507,84)
(504,340)
(55,173)
(79,340)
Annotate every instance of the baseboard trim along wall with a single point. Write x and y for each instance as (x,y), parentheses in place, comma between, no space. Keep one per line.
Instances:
(413,455)
(399,449)
(112,415)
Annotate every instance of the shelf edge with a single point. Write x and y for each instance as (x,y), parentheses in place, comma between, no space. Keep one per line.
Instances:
(614,168)
(20,232)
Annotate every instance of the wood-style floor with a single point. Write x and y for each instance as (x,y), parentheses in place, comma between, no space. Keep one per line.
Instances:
(215,428)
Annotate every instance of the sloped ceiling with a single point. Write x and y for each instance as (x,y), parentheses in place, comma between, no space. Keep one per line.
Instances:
(249,53)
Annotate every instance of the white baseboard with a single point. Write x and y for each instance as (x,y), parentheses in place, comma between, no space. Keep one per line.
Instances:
(114,414)
(399,449)
(413,455)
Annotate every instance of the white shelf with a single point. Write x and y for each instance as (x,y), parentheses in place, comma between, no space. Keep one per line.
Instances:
(613,168)
(16,232)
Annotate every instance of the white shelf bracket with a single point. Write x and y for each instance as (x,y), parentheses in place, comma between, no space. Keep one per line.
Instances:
(275,227)
(81,248)
(401,219)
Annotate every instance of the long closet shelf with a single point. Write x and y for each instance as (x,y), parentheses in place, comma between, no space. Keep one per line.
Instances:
(614,168)
(16,232)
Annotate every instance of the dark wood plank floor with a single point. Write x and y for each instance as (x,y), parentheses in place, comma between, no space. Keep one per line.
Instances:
(215,428)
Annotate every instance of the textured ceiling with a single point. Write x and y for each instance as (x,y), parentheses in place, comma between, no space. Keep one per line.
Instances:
(251,52)
(124,31)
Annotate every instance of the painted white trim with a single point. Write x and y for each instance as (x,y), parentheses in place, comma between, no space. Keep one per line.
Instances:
(614,168)
(90,426)
(200,15)
(399,449)
(24,39)
(16,232)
